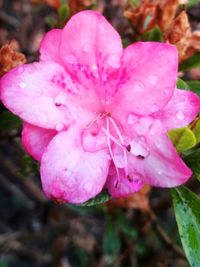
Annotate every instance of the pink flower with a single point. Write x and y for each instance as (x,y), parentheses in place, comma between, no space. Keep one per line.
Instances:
(96,116)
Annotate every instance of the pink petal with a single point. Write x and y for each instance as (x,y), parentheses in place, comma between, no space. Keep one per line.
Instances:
(149,73)
(163,166)
(123,185)
(181,110)
(36,139)
(90,48)
(69,173)
(49,47)
(32,91)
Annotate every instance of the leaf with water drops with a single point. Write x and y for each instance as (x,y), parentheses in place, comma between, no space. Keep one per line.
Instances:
(182,138)
(187,212)
(99,199)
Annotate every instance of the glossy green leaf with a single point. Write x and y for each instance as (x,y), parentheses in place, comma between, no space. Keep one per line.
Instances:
(187,212)
(192,62)
(101,198)
(9,121)
(182,138)
(194,86)
(196,131)
(182,84)
(192,159)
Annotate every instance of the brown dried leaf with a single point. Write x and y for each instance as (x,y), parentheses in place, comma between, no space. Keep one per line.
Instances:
(151,13)
(139,200)
(52,3)
(10,59)
(78,5)
(179,34)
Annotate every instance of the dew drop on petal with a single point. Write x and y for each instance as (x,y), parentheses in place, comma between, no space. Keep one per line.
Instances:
(139,86)
(154,108)
(180,116)
(153,79)
(132,119)
(22,85)
(113,61)
(59,127)
(59,100)
(21,69)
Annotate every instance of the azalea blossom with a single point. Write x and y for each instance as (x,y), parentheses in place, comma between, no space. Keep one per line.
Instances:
(97,116)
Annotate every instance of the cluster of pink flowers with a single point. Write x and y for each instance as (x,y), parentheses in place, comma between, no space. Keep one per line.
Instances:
(96,116)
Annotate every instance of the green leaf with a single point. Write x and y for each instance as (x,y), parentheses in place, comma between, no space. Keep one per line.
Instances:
(182,138)
(63,12)
(194,86)
(154,35)
(187,212)
(196,131)
(9,122)
(192,62)
(192,159)
(191,3)
(51,21)
(126,226)
(182,84)
(111,239)
(99,199)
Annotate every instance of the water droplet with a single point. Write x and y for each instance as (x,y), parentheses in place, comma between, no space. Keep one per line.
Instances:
(86,48)
(139,148)
(59,127)
(22,85)
(180,116)
(132,119)
(139,87)
(21,69)
(59,100)
(153,129)
(153,79)
(114,61)
(166,91)
(154,108)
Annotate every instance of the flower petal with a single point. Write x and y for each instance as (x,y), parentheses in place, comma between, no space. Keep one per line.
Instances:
(123,185)
(49,47)
(90,47)
(69,173)
(181,110)
(164,167)
(31,92)
(36,139)
(149,73)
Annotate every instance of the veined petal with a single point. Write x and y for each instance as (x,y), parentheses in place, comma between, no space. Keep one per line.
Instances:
(163,167)
(149,73)
(43,94)
(36,139)
(90,48)
(181,110)
(49,47)
(69,173)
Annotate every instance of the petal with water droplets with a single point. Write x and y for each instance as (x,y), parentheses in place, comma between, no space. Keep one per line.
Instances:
(181,110)
(164,167)
(149,73)
(69,173)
